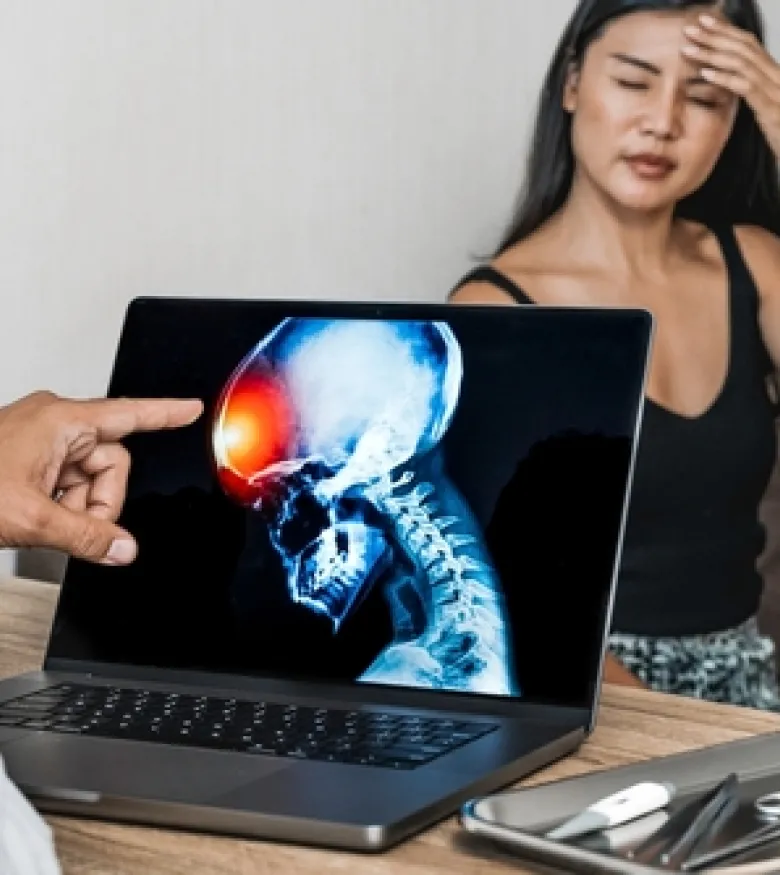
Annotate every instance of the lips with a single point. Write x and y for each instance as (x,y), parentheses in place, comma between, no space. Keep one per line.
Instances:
(648,166)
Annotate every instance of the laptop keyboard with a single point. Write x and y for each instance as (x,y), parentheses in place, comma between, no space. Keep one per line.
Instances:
(370,738)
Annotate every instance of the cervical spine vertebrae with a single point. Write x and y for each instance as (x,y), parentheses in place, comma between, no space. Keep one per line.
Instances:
(464,642)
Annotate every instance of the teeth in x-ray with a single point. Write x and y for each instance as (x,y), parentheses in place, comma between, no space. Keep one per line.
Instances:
(331,599)
(328,598)
(330,577)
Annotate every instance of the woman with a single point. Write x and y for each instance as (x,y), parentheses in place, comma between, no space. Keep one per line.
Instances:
(653,182)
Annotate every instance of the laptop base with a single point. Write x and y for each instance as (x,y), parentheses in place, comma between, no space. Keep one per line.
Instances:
(263,797)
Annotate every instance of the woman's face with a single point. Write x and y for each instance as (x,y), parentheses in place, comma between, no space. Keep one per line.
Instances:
(646,129)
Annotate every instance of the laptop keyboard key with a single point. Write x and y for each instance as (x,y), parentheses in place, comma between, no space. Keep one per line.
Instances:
(366,738)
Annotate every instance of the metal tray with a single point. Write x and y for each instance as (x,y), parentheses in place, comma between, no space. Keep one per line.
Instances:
(518,819)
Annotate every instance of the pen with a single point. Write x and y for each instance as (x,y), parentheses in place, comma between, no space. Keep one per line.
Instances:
(762,836)
(711,804)
(621,807)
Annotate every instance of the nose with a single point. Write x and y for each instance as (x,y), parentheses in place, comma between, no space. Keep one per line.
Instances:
(662,117)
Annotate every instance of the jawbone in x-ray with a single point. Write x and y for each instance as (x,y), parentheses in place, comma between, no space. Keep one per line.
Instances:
(332,430)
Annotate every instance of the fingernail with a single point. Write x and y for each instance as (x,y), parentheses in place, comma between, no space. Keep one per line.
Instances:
(690,50)
(121,552)
(194,405)
(691,29)
(707,20)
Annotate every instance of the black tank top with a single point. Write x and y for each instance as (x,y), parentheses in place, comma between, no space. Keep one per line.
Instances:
(693,534)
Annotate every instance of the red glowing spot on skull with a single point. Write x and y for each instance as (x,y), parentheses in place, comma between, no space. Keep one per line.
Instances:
(255,428)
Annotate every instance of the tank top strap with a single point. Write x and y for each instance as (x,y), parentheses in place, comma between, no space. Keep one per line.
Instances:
(487,274)
(741,282)
(748,349)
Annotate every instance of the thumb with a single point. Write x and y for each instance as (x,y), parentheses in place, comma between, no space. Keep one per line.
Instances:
(83,536)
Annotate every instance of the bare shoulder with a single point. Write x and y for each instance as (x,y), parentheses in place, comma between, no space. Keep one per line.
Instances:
(519,265)
(761,251)
(480,292)
(758,244)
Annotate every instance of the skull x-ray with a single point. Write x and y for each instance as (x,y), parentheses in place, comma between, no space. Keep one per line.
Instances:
(332,432)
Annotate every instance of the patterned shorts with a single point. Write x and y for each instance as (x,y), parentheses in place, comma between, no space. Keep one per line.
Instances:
(736,665)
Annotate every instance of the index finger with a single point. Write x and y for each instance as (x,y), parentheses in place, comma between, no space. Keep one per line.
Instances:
(719,23)
(115,418)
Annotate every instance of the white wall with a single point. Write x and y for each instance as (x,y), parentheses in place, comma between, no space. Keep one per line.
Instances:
(345,148)
(306,148)
(323,148)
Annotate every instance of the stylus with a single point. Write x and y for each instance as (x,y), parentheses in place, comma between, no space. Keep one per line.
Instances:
(621,807)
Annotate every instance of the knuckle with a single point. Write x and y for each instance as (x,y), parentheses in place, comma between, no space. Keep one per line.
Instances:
(67,420)
(108,457)
(39,402)
(53,408)
(42,396)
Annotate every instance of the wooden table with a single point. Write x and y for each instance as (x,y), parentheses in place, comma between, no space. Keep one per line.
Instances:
(633,725)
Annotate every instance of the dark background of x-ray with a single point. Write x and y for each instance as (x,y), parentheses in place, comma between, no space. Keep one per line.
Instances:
(539,447)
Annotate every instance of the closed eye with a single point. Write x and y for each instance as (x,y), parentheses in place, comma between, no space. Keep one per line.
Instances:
(707,104)
(635,86)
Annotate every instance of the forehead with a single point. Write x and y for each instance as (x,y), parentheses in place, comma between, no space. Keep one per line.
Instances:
(652,35)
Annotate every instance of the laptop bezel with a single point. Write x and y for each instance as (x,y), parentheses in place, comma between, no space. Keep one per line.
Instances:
(370,694)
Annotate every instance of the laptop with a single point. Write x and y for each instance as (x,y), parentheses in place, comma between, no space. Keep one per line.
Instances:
(374,580)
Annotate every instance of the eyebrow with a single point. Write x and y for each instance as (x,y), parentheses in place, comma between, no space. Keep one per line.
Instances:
(637,62)
(652,68)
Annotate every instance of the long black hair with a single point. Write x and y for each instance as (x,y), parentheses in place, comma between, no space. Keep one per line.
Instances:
(743,186)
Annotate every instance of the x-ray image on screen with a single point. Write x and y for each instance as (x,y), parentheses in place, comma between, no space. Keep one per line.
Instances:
(332,432)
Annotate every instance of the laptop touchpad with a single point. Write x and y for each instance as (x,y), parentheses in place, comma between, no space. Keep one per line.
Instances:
(118,768)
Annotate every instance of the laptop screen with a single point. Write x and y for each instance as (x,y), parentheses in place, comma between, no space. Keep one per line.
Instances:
(428,497)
